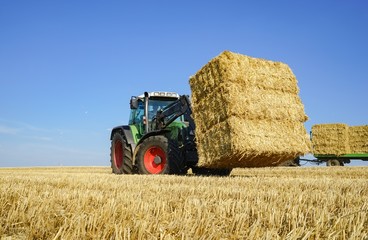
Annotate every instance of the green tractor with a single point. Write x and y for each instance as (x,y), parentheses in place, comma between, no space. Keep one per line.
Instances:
(160,138)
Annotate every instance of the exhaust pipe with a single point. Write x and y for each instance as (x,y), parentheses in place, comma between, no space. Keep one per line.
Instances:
(146,111)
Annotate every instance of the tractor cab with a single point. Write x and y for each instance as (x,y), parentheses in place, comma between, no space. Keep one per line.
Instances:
(143,109)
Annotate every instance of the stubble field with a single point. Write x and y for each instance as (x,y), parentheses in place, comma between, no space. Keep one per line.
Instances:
(264,203)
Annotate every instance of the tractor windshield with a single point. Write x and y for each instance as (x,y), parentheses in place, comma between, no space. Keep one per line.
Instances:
(156,105)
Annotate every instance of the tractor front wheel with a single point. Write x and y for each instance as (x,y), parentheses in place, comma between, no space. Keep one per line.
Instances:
(176,159)
(152,156)
(159,155)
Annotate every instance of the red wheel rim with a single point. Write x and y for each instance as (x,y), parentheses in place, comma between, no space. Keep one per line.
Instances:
(118,154)
(149,160)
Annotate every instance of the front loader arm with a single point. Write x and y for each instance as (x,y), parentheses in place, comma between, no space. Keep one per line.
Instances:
(171,112)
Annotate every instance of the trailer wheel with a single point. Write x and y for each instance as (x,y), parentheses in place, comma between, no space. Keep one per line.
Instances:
(121,155)
(334,163)
(152,156)
(201,171)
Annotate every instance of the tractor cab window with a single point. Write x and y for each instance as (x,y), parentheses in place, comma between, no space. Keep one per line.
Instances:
(156,105)
(136,115)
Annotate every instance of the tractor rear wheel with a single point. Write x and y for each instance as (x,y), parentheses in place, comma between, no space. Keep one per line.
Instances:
(121,155)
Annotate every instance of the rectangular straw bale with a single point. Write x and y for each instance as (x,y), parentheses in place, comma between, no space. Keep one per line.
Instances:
(228,68)
(247,112)
(358,139)
(330,139)
(238,142)
(253,104)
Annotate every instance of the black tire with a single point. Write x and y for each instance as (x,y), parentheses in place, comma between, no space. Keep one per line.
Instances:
(334,163)
(176,159)
(121,155)
(221,172)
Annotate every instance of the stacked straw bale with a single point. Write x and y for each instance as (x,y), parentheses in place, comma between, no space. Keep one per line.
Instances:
(358,139)
(330,139)
(339,139)
(247,113)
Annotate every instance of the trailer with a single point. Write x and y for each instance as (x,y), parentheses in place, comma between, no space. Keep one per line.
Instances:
(337,144)
(335,160)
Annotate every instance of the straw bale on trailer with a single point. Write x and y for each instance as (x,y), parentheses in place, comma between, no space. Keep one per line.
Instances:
(330,139)
(358,139)
(247,113)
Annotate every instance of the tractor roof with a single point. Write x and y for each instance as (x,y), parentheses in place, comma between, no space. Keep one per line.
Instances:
(161,94)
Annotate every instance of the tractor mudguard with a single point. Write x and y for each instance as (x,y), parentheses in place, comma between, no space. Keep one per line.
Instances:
(153,133)
(127,133)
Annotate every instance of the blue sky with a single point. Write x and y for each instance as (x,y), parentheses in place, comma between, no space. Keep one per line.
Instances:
(68,68)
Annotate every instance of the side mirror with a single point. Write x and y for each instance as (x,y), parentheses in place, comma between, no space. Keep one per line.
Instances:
(133,103)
